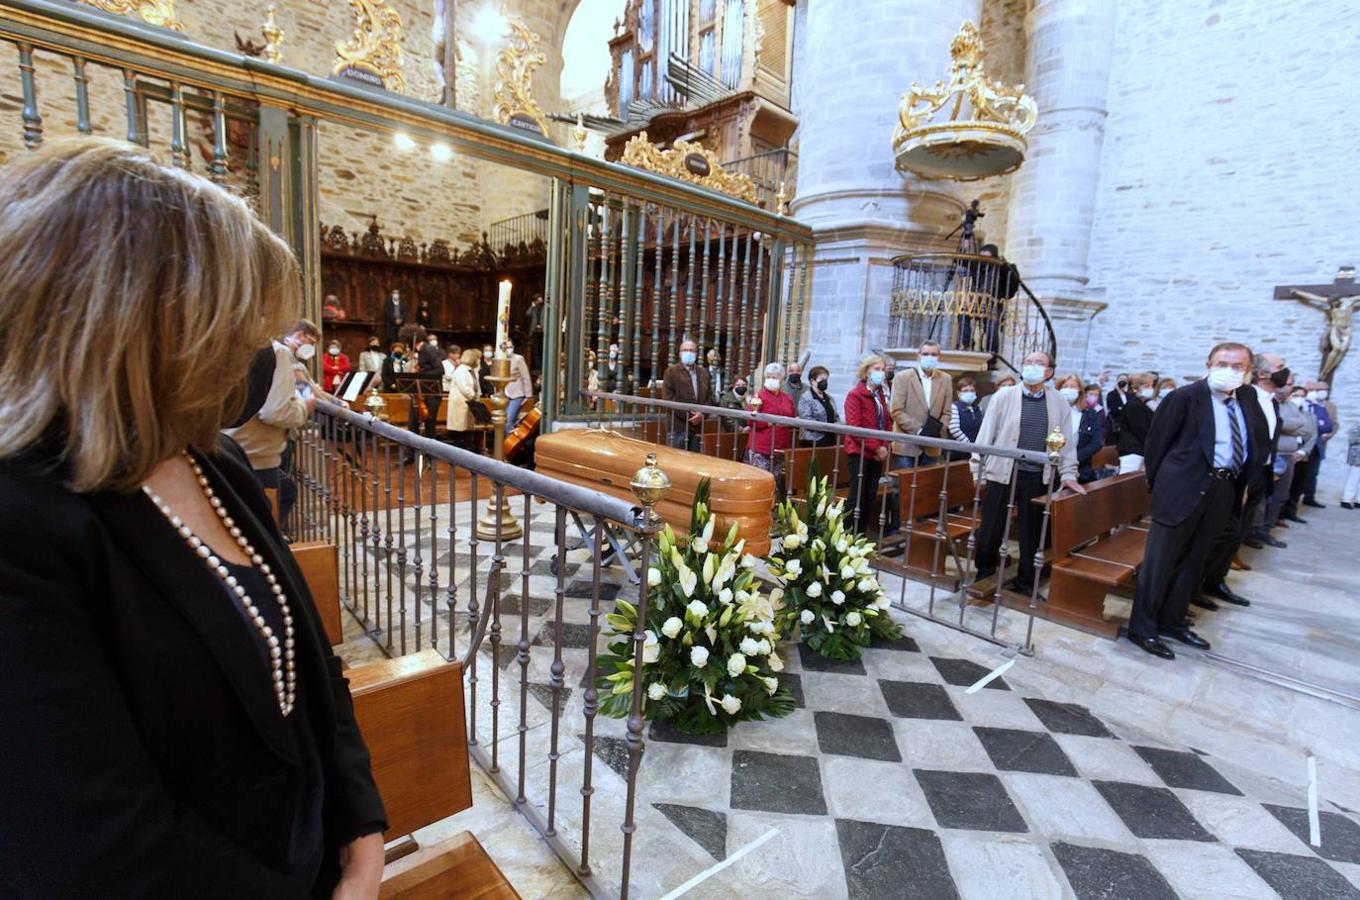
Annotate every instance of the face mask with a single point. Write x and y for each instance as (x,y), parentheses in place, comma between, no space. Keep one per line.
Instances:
(398,355)
(739,390)
(1279,378)
(821,385)
(1092,401)
(306,352)
(334,351)
(1298,401)
(1313,396)
(968,396)
(687,357)
(877,377)
(1224,379)
(487,353)
(613,354)
(1321,395)
(928,363)
(795,380)
(772,385)
(1147,393)
(1069,394)
(1123,385)
(377,347)
(1033,374)
(433,342)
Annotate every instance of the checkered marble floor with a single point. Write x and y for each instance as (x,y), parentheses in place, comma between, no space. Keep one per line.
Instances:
(889,779)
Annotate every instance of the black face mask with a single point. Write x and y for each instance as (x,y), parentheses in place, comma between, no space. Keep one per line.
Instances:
(1123,385)
(1279,378)
(795,379)
(821,385)
(739,390)
(374,347)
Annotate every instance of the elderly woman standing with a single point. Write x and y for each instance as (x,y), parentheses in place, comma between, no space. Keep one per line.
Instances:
(173,722)
(816,405)
(773,400)
(464,390)
(866,406)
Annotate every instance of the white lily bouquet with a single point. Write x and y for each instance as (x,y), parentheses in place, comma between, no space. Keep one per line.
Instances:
(709,658)
(830,592)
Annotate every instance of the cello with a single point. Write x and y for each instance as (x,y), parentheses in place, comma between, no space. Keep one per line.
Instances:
(526,428)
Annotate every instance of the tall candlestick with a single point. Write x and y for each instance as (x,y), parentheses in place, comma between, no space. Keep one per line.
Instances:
(503,319)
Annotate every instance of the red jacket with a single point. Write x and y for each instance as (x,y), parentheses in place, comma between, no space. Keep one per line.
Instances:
(333,369)
(859,412)
(765,437)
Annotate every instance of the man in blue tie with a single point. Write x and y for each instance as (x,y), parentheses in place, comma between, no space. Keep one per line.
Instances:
(1201,454)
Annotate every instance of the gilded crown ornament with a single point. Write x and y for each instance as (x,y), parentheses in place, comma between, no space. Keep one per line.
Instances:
(989,140)
(373,54)
(514,93)
(153,12)
(689,162)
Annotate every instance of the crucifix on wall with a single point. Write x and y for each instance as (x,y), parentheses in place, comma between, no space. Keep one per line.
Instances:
(1338,301)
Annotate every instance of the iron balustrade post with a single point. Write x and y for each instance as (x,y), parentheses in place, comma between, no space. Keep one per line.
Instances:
(523,650)
(557,670)
(471,665)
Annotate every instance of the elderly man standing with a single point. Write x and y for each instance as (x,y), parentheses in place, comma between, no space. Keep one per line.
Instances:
(1201,457)
(1316,404)
(1020,417)
(686,382)
(1298,435)
(921,398)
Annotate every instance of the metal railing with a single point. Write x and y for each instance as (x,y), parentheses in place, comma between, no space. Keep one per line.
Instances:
(770,171)
(967,302)
(870,485)
(425,563)
(519,234)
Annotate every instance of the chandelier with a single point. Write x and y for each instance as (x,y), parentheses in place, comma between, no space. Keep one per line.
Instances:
(983,132)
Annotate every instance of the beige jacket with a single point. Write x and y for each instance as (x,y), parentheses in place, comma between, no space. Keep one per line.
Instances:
(523,385)
(909,410)
(463,389)
(1001,428)
(265,435)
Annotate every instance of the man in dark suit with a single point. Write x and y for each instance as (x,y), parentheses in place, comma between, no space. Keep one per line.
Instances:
(1114,405)
(1202,454)
(394,316)
(686,382)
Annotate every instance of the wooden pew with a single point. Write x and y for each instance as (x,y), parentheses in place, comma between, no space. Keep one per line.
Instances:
(410,710)
(919,491)
(1097,549)
(798,464)
(320,567)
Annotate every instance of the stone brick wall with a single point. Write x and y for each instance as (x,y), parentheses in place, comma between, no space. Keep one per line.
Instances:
(1229,167)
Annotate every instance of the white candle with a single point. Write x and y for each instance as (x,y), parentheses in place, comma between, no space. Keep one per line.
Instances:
(503,319)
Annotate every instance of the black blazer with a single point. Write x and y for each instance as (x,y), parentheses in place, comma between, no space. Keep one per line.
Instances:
(1114,406)
(1179,452)
(394,314)
(143,751)
(1090,436)
(1135,420)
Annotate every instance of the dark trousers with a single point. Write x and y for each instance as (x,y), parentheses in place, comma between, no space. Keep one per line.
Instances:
(1305,473)
(1218,562)
(865,471)
(1310,483)
(1029,521)
(1277,502)
(687,438)
(281,481)
(1173,562)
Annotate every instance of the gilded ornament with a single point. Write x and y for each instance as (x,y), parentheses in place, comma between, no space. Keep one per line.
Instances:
(273,37)
(515,65)
(989,141)
(375,49)
(153,12)
(690,162)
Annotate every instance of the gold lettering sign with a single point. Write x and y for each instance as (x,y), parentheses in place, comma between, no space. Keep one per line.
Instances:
(373,55)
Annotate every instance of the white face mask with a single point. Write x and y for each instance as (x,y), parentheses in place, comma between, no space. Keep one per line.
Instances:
(1033,374)
(876,376)
(1313,396)
(306,351)
(334,351)
(928,363)
(967,396)
(1070,394)
(1298,401)
(687,357)
(1321,395)
(772,385)
(1223,379)
(433,343)
(1147,393)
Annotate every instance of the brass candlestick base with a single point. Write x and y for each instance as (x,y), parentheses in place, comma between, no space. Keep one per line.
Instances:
(498,519)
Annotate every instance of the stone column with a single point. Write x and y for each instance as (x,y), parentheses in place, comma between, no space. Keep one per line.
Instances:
(851,69)
(1053,194)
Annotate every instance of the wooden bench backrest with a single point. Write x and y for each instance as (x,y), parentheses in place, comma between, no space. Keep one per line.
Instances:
(926,482)
(1106,457)
(410,710)
(1106,504)
(798,462)
(320,567)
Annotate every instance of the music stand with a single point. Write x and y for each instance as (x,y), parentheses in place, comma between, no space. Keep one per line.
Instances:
(353,385)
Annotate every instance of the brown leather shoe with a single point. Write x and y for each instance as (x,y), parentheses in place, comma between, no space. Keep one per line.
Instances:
(1239,565)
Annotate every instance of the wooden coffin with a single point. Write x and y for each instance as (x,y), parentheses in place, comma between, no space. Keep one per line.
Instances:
(606,461)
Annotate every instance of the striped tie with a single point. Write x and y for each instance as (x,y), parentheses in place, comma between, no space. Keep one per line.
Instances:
(1236,426)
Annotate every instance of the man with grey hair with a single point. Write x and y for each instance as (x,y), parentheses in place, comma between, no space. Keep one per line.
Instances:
(921,398)
(686,382)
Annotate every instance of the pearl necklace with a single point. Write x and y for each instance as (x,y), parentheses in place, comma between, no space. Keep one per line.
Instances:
(281,660)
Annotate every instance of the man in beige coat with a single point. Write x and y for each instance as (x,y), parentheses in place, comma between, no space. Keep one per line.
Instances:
(1021,417)
(921,397)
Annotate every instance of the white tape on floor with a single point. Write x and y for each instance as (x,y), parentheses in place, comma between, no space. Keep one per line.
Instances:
(1314,826)
(714,870)
(989,677)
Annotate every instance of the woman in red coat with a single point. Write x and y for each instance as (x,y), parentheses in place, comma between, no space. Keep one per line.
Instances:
(866,406)
(334,367)
(765,437)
